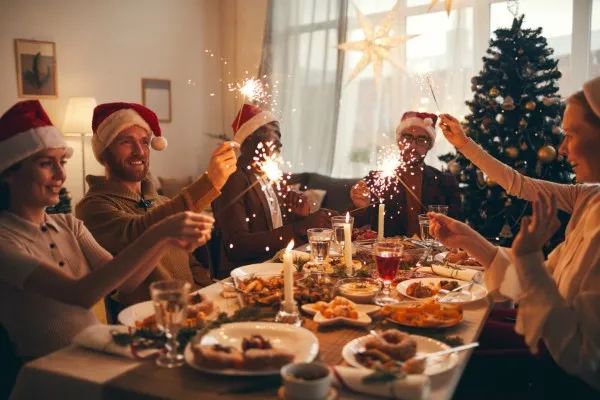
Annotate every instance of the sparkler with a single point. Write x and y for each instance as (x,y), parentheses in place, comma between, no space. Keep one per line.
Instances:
(432,92)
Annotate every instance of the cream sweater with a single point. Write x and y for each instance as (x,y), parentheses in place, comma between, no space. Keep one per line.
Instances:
(559,299)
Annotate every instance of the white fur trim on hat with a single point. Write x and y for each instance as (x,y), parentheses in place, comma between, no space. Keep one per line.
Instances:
(25,144)
(426,124)
(248,127)
(591,90)
(114,124)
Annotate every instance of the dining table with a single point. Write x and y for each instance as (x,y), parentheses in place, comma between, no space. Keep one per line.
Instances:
(79,373)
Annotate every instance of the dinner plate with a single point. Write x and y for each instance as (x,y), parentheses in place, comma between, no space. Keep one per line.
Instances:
(301,341)
(434,366)
(361,308)
(441,257)
(139,311)
(467,295)
(257,269)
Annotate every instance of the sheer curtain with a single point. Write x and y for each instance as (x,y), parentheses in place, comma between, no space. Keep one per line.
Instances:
(369,112)
(302,63)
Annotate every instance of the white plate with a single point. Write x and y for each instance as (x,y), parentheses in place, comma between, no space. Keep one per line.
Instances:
(303,342)
(361,308)
(260,269)
(441,257)
(467,295)
(362,320)
(425,345)
(139,311)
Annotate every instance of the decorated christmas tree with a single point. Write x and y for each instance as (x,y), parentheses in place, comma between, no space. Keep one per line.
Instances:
(516,117)
(64,203)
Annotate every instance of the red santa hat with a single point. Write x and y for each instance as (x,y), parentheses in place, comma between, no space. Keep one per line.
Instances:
(26,129)
(422,120)
(248,120)
(110,119)
(591,90)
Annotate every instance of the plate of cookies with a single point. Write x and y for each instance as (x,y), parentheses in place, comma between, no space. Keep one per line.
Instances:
(392,349)
(251,348)
(339,311)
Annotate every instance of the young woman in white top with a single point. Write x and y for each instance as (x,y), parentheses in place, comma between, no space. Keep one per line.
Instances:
(559,299)
(52,271)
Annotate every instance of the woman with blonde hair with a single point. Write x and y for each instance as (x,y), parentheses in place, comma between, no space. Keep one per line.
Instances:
(558,299)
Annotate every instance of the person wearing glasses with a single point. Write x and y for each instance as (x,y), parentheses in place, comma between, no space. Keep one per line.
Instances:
(415,136)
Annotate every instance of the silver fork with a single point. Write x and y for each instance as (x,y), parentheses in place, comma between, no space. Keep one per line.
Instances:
(443,292)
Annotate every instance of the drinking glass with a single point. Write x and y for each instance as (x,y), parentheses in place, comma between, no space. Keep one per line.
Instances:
(319,239)
(440,209)
(170,300)
(337,223)
(388,254)
(426,236)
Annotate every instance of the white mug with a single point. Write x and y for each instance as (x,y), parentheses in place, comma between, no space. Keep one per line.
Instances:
(306,381)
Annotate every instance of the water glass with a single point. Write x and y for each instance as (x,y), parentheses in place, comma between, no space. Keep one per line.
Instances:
(319,239)
(439,209)
(337,223)
(424,224)
(170,300)
(388,254)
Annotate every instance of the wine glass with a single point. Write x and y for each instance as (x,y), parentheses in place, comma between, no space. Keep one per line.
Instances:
(170,300)
(337,223)
(388,254)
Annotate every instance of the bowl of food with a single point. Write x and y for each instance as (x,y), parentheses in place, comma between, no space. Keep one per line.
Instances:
(359,290)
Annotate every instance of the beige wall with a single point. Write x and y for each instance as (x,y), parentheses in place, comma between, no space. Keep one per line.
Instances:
(105,47)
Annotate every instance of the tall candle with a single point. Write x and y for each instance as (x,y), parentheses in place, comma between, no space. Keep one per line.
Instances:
(348,244)
(288,277)
(381,221)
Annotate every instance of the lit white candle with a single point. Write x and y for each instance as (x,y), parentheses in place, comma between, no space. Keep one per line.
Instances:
(381,221)
(348,244)
(288,277)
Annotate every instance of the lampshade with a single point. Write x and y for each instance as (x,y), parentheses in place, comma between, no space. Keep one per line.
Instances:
(79,115)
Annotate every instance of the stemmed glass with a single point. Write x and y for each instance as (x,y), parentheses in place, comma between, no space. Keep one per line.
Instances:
(388,254)
(170,300)
(337,223)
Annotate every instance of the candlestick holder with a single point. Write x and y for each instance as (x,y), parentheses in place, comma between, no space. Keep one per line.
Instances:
(289,314)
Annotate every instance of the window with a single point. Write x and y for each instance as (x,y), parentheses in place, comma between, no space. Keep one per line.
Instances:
(556,22)
(595,40)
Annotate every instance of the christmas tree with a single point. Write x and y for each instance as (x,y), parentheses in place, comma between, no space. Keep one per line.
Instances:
(516,117)
(64,203)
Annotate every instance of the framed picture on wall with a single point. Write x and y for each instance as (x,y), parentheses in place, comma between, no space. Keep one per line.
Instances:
(156,95)
(36,69)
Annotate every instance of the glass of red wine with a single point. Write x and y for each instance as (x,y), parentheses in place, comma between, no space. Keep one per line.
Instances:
(388,254)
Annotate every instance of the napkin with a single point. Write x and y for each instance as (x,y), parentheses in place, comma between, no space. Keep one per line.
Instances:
(463,274)
(99,337)
(411,387)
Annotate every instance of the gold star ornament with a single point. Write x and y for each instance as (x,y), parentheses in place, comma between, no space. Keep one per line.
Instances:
(376,45)
(447,5)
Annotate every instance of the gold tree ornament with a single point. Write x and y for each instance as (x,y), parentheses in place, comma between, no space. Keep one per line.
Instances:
(530,105)
(376,45)
(447,5)
(494,92)
(508,104)
(512,152)
(547,154)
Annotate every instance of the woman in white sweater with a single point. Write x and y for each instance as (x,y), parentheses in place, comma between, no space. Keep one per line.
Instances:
(559,299)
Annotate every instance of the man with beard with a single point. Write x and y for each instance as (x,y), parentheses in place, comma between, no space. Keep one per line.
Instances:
(415,136)
(253,220)
(122,205)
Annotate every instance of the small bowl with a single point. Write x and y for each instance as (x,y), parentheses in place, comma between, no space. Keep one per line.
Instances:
(411,257)
(359,290)
(306,381)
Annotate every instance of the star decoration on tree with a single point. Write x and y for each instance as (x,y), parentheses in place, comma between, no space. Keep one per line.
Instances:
(447,5)
(376,45)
